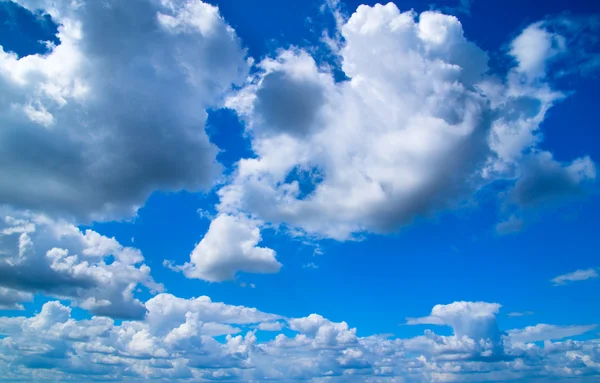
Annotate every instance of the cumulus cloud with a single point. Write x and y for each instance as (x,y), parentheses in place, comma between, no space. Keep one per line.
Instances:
(177,342)
(41,255)
(363,164)
(115,110)
(474,320)
(575,276)
(229,246)
(419,126)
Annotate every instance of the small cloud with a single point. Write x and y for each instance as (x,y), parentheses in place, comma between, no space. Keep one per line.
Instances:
(575,276)
(519,314)
(205,214)
(270,326)
(511,226)
(310,265)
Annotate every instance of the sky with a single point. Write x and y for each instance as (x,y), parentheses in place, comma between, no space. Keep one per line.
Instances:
(299,191)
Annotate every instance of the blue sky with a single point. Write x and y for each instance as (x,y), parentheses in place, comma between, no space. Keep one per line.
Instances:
(375,193)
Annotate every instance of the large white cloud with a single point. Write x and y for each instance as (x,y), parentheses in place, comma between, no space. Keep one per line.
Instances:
(41,255)
(373,152)
(419,126)
(177,342)
(116,110)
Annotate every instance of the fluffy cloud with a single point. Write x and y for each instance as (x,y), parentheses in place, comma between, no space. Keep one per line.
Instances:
(534,47)
(229,246)
(419,126)
(116,109)
(351,162)
(471,322)
(177,342)
(575,276)
(56,258)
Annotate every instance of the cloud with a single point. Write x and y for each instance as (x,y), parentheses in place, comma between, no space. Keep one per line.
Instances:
(229,246)
(476,320)
(542,332)
(557,46)
(116,110)
(515,314)
(53,257)
(544,180)
(512,225)
(575,276)
(370,166)
(270,326)
(11,299)
(177,342)
(534,47)
(395,142)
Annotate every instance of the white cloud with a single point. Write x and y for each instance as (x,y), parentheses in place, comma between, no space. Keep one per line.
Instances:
(476,320)
(270,326)
(177,342)
(116,110)
(541,332)
(229,246)
(367,165)
(515,314)
(41,255)
(419,126)
(534,47)
(575,276)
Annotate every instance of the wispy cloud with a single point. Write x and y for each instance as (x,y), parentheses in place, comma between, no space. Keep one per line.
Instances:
(575,276)
(519,314)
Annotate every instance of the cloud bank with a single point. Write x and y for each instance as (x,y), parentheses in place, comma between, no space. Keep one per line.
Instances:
(178,342)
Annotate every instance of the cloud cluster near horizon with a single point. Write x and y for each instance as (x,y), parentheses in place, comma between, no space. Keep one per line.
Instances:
(178,341)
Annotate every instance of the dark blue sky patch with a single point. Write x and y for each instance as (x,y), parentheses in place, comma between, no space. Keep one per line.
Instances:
(308,180)
(227,132)
(24,32)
